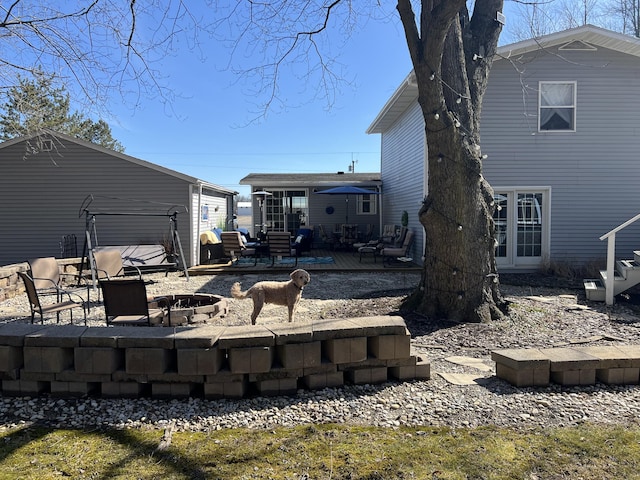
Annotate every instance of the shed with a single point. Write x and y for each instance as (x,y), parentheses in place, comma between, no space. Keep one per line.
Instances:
(43,191)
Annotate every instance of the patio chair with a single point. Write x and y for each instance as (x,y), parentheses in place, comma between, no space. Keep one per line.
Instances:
(49,280)
(304,239)
(328,240)
(108,264)
(388,234)
(390,253)
(234,248)
(60,305)
(348,235)
(279,244)
(126,303)
(366,240)
(401,234)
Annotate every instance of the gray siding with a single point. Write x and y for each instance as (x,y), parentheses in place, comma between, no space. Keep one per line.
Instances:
(318,212)
(42,197)
(403,174)
(593,173)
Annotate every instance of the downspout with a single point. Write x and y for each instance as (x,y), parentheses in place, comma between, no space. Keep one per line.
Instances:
(381,198)
(198,224)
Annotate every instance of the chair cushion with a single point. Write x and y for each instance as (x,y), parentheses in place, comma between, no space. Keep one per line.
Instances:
(209,238)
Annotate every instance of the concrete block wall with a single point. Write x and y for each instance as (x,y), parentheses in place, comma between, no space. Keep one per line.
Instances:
(530,367)
(206,361)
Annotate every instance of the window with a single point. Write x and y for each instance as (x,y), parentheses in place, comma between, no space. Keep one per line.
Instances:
(366,205)
(557,101)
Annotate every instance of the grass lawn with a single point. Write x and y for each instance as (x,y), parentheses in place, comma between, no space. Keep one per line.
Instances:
(323,452)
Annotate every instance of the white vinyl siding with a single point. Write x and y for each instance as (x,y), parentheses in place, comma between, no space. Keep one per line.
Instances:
(403,173)
(207,213)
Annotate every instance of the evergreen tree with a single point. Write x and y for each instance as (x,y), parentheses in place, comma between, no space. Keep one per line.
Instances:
(37,103)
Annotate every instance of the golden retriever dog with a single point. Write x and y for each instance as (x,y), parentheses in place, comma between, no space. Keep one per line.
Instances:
(277,293)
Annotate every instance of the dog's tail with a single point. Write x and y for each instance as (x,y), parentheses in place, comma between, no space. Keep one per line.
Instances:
(236,291)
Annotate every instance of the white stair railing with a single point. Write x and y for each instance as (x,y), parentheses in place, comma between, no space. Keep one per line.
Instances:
(611,257)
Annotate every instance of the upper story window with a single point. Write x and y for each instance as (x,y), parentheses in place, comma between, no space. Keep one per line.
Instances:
(366,204)
(557,107)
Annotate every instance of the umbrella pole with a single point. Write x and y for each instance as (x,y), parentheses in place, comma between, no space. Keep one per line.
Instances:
(346,217)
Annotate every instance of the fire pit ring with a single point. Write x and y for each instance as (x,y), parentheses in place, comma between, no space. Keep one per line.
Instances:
(192,308)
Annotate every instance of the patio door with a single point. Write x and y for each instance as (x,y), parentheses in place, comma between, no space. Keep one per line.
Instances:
(287,210)
(522,227)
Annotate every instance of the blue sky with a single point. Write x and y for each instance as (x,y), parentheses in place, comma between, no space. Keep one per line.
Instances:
(206,134)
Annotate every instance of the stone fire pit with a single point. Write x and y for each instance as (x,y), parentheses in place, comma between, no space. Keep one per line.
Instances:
(192,308)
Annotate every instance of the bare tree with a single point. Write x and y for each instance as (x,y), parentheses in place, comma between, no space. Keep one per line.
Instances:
(628,13)
(452,54)
(536,18)
(97,49)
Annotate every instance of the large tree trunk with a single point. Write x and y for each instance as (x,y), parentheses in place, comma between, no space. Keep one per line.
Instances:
(460,280)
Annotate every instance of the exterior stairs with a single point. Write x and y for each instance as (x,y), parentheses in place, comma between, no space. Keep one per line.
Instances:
(626,275)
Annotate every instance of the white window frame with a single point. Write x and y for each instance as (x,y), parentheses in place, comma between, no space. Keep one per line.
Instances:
(373,205)
(573,106)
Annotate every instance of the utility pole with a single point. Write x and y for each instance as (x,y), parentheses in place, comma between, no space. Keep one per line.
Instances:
(352,167)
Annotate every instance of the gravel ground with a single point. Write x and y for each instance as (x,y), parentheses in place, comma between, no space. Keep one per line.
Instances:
(541,315)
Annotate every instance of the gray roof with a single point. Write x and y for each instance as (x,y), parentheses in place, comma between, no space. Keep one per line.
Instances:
(407,92)
(313,179)
(128,158)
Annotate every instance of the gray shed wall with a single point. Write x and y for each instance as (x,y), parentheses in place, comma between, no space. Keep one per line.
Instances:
(42,196)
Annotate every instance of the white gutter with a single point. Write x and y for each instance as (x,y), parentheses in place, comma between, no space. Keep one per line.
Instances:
(196,253)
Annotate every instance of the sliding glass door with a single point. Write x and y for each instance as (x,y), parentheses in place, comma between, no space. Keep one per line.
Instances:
(287,210)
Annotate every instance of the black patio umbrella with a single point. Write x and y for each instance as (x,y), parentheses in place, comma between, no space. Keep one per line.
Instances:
(347,190)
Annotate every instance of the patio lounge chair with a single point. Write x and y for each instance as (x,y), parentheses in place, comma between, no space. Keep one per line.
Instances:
(126,303)
(390,253)
(280,246)
(388,234)
(234,248)
(61,305)
(304,239)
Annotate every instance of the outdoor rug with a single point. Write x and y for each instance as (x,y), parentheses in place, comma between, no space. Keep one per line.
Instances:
(287,261)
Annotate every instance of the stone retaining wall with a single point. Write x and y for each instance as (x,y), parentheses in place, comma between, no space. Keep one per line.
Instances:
(530,367)
(11,285)
(208,361)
